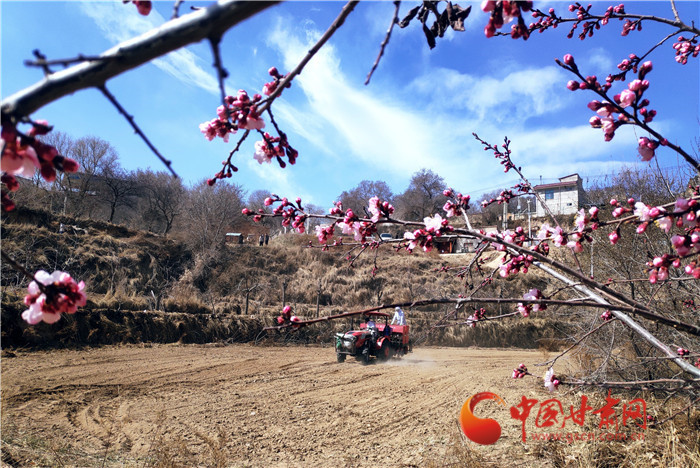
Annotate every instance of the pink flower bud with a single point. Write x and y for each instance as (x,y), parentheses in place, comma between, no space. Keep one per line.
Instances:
(572,85)
(569,60)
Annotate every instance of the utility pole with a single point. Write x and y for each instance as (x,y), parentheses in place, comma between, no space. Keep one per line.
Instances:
(529,223)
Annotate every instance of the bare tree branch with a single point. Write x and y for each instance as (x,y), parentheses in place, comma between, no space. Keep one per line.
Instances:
(212,21)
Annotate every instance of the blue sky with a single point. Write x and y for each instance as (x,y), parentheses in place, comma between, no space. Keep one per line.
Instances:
(418,112)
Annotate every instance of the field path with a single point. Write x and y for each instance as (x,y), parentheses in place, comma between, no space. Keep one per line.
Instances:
(242,405)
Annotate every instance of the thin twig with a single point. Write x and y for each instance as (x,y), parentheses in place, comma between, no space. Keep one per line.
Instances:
(19,267)
(43,62)
(385,42)
(347,9)
(552,361)
(221,72)
(176,9)
(136,128)
(692,403)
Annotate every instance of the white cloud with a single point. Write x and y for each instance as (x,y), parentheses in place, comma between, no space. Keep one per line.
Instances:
(514,97)
(373,128)
(280,181)
(598,61)
(120,23)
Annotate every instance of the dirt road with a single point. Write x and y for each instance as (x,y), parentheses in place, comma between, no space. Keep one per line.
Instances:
(242,405)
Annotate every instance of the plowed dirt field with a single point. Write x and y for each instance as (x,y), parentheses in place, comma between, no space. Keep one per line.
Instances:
(241,405)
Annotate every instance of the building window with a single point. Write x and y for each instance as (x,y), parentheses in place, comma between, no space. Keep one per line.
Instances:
(549,194)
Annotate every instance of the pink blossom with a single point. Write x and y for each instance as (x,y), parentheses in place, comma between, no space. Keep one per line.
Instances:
(23,161)
(520,371)
(646,149)
(488,5)
(262,153)
(581,220)
(642,211)
(252,123)
(433,224)
(681,205)
(324,233)
(550,380)
(411,237)
(66,296)
(681,245)
(665,223)
(374,209)
(614,237)
(450,209)
(627,98)
(143,6)
(575,246)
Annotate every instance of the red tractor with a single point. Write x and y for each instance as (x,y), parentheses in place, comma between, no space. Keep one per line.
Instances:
(373,339)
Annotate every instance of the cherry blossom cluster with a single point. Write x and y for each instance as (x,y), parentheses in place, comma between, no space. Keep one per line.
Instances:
(520,371)
(515,264)
(143,6)
(235,113)
(23,154)
(686,216)
(434,227)
(286,317)
(612,115)
(504,197)
(270,148)
(550,380)
(606,316)
(531,295)
(458,205)
(589,23)
(292,212)
(561,238)
(505,11)
(516,237)
(479,314)
(352,225)
(380,209)
(685,48)
(50,295)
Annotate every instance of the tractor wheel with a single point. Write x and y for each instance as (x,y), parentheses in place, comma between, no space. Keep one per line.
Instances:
(341,357)
(385,352)
(365,356)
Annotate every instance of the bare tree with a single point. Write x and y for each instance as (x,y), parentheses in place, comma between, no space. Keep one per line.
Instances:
(117,189)
(357,198)
(96,158)
(423,197)
(162,198)
(211,211)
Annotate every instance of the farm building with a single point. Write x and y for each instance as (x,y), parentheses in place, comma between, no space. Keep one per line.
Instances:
(563,198)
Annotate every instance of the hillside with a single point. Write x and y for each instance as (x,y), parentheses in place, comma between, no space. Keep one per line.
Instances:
(148,288)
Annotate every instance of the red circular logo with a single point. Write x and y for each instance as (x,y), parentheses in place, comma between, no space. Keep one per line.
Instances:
(481,431)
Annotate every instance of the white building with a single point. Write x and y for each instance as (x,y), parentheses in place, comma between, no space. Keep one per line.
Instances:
(563,198)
